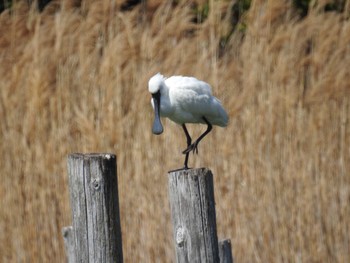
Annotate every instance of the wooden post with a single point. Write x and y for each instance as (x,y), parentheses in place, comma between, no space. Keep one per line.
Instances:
(68,237)
(95,208)
(225,251)
(192,205)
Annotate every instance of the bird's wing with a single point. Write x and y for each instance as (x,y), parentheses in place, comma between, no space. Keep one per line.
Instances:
(193,100)
(188,83)
(189,94)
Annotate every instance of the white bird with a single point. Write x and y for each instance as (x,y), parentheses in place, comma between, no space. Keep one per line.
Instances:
(185,100)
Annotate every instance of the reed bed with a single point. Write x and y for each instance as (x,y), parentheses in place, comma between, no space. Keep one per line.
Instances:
(74,79)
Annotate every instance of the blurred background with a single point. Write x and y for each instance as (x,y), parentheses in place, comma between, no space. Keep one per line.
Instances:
(74,79)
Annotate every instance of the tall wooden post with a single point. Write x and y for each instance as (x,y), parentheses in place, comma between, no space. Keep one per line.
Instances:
(96,228)
(192,205)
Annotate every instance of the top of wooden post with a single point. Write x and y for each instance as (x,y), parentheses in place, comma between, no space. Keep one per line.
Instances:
(92,155)
(191,171)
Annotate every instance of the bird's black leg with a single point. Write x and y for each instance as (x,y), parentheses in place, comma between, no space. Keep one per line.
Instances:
(189,140)
(194,146)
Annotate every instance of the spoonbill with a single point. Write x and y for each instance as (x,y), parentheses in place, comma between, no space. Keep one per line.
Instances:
(185,100)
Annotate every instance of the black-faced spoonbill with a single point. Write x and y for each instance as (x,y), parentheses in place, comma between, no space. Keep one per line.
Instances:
(185,100)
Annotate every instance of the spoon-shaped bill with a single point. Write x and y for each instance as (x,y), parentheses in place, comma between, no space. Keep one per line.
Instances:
(157,125)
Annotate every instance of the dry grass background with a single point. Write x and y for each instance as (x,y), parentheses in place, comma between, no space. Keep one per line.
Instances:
(74,79)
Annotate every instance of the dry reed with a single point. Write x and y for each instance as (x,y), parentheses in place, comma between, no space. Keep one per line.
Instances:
(74,79)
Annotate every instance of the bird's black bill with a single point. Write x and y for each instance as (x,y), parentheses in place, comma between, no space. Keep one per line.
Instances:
(157,125)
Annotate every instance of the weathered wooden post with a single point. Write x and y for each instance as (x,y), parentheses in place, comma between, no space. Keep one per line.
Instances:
(68,238)
(192,205)
(225,251)
(96,231)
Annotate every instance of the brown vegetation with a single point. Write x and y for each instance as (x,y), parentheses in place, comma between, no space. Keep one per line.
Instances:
(74,79)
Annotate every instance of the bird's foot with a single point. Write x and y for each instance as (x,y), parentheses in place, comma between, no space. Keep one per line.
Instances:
(180,169)
(192,148)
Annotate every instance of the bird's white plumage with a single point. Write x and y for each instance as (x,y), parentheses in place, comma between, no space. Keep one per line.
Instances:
(155,83)
(187,100)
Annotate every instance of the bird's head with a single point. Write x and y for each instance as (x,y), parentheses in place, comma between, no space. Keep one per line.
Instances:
(155,85)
